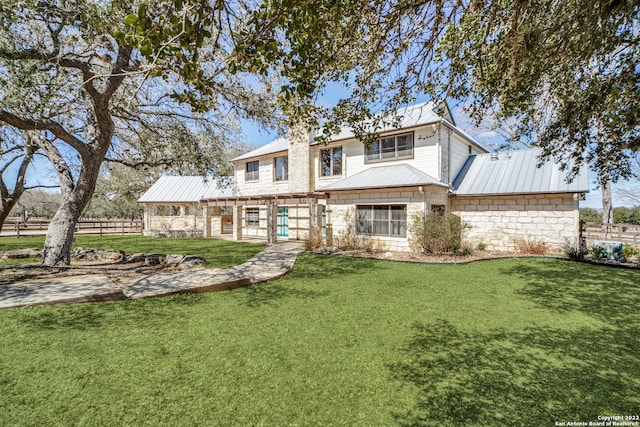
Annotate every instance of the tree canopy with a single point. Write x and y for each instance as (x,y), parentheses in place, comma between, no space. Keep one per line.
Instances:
(79,74)
(574,62)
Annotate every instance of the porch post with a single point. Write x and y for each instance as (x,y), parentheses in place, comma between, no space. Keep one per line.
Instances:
(206,213)
(272,224)
(315,219)
(237,222)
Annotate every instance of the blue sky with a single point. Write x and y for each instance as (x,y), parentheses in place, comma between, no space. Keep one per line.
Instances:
(42,173)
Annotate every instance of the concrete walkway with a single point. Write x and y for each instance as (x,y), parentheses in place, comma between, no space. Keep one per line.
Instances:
(272,263)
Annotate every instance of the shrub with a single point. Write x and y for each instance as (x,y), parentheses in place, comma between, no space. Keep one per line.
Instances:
(314,241)
(598,252)
(435,234)
(629,252)
(481,246)
(347,241)
(531,246)
(573,251)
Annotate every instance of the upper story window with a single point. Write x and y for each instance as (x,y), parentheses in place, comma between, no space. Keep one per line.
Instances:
(252,171)
(281,168)
(391,148)
(331,161)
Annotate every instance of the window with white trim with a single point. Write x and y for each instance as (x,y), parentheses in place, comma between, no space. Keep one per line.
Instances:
(253,217)
(252,171)
(331,161)
(281,168)
(395,147)
(382,220)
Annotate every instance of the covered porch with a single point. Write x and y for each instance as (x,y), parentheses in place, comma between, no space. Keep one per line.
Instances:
(291,216)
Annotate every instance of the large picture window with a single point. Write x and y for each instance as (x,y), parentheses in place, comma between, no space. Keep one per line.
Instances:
(391,148)
(331,161)
(253,217)
(252,171)
(384,220)
(281,168)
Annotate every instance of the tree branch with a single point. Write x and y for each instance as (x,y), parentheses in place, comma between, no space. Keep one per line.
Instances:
(48,125)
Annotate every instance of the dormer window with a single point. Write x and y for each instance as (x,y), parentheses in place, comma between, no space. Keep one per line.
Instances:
(395,147)
(281,168)
(252,171)
(331,161)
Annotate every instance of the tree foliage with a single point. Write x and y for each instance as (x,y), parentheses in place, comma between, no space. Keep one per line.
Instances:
(574,60)
(78,73)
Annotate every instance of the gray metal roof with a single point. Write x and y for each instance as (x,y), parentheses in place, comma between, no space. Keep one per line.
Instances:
(186,189)
(515,172)
(280,144)
(410,116)
(401,175)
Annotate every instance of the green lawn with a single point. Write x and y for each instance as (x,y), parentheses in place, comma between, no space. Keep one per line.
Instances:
(339,341)
(218,253)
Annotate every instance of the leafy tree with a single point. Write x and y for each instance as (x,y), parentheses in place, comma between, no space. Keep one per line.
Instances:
(624,215)
(36,203)
(590,215)
(15,148)
(77,72)
(574,61)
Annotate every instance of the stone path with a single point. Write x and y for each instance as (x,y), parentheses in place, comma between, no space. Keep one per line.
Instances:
(272,263)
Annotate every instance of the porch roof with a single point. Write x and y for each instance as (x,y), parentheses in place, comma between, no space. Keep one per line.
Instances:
(300,198)
(401,175)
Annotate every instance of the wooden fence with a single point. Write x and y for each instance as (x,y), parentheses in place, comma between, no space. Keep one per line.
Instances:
(14,227)
(626,233)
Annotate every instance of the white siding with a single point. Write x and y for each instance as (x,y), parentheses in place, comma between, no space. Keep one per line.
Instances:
(265,184)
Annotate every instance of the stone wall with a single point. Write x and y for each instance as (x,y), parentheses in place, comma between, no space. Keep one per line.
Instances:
(342,210)
(180,226)
(500,222)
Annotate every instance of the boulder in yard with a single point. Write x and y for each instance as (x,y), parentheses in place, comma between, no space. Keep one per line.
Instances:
(22,253)
(191,261)
(146,259)
(173,259)
(99,255)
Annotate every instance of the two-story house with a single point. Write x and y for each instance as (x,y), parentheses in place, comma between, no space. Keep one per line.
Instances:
(295,186)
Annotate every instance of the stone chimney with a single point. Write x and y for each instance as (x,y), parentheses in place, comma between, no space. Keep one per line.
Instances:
(301,170)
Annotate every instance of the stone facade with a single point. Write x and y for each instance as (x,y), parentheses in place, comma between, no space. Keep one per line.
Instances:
(499,222)
(341,212)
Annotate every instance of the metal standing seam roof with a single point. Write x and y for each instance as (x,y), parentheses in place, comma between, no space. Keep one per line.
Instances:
(280,144)
(186,189)
(410,116)
(515,172)
(401,175)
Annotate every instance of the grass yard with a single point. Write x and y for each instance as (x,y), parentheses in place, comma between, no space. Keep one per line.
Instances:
(218,253)
(339,341)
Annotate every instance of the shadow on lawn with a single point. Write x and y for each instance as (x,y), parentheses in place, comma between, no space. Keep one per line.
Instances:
(84,317)
(333,267)
(534,377)
(270,293)
(539,375)
(612,295)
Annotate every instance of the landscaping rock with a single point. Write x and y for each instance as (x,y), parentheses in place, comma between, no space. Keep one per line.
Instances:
(191,262)
(146,259)
(22,253)
(173,259)
(92,254)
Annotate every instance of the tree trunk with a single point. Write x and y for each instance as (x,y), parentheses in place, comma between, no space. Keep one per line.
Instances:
(57,244)
(607,207)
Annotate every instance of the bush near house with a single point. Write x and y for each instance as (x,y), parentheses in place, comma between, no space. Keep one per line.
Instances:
(435,234)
